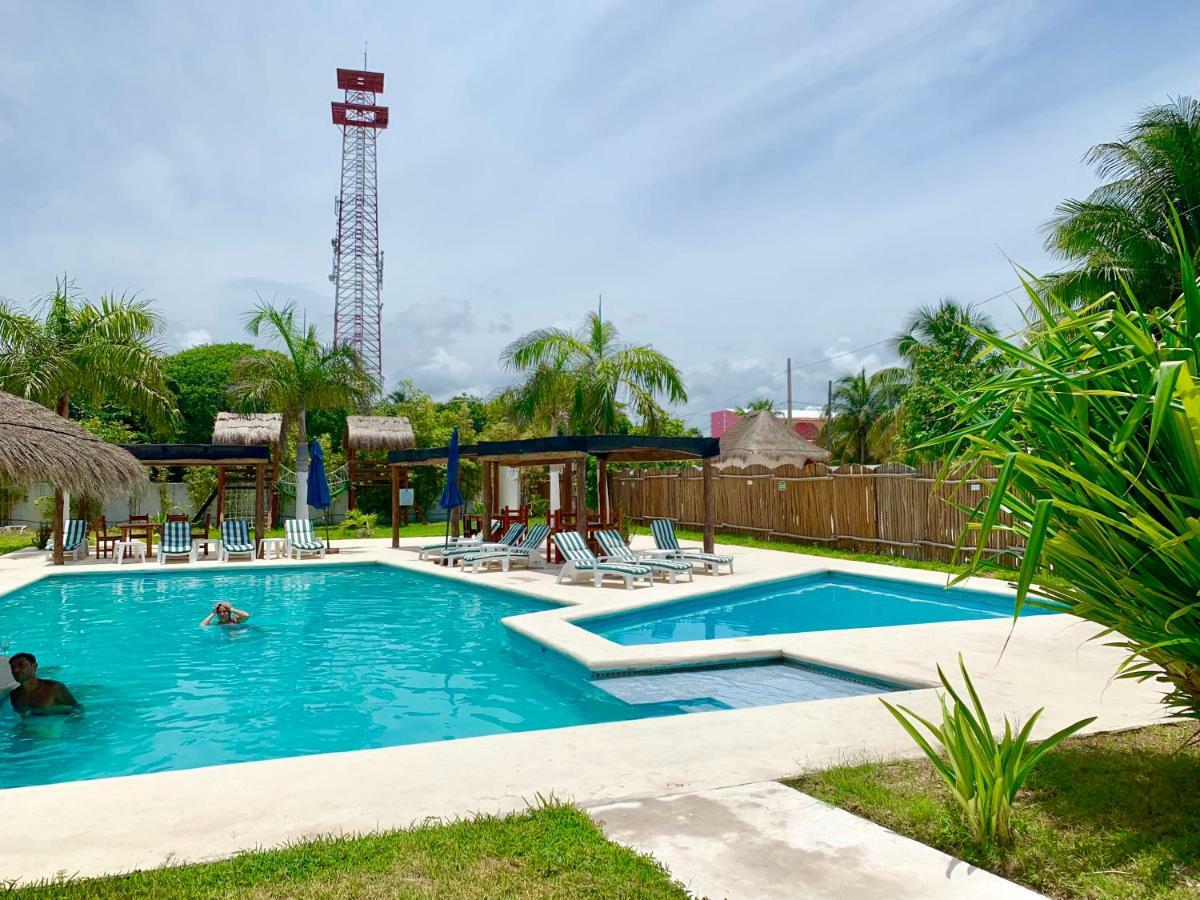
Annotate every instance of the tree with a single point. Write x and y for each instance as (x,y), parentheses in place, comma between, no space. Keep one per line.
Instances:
(859,426)
(1121,231)
(199,378)
(432,424)
(306,375)
(1094,426)
(762,403)
(944,357)
(69,348)
(589,380)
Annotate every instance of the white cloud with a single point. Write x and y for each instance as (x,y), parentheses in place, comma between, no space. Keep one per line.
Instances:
(193,337)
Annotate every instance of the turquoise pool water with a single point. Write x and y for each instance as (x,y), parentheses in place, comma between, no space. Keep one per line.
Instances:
(823,602)
(334,658)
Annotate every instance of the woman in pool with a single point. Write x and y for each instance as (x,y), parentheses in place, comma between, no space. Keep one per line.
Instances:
(224,614)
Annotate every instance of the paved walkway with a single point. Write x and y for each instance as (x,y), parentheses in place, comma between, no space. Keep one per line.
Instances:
(765,841)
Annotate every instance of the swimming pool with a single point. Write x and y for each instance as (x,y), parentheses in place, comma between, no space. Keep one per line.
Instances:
(335,657)
(822,602)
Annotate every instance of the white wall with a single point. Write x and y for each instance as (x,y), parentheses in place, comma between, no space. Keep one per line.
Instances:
(117,509)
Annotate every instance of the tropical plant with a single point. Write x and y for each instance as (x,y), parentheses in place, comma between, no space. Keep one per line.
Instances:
(359,523)
(307,375)
(1095,428)
(861,423)
(68,348)
(1120,232)
(943,356)
(759,404)
(588,380)
(983,772)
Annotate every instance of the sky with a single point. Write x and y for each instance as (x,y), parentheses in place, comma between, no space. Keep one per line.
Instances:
(741,181)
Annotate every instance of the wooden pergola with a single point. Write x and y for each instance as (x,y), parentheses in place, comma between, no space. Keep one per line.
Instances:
(219,457)
(572,451)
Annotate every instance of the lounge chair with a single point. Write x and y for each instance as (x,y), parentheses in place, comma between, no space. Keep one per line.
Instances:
(75,545)
(474,542)
(668,548)
(300,539)
(235,540)
(616,550)
(528,551)
(176,541)
(580,559)
(454,554)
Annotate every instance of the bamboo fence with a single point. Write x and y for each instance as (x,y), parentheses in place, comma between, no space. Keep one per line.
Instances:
(887,508)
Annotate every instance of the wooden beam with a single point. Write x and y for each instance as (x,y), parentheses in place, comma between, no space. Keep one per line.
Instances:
(220,495)
(395,506)
(489,471)
(352,499)
(260,490)
(58,527)
(602,488)
(581,497)
(710,506)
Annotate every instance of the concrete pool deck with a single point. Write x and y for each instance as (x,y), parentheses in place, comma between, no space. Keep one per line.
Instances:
(118,824)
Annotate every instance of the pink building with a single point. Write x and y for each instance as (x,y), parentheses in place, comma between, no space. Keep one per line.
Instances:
(806,420)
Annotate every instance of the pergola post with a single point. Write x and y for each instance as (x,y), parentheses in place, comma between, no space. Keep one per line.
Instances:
(581,522)
(395,506)
(352,495)
(710,506)
(488,498)
(58,528)
(602,488)
(260,512)
(220,495)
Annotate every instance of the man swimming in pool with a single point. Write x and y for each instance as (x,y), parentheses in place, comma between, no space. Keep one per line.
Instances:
(37,695)
(224,614)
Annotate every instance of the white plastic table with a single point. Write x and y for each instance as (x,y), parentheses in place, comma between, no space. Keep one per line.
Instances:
(273,548)
(137,549)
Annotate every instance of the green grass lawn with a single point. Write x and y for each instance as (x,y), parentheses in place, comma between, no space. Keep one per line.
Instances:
(552,851)
(11,542)
(1112,815)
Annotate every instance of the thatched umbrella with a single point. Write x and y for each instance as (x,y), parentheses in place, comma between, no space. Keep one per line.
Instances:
(248,429)
(37,445)
(378,433)
(763,439)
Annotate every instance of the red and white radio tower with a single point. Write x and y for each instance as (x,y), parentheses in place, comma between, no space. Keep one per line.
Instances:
(357,260)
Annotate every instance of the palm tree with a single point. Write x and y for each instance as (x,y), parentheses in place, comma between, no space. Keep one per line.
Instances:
(68,348)
(591,376)
(863,415)
(762,403)
(305,377)
(947,325)
(1120,232)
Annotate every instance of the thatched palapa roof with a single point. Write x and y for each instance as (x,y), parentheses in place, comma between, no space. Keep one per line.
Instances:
(38,446)
(763,439)
(378,433)
(248,429)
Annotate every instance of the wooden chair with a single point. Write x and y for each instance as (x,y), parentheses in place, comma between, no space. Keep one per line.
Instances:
(105,542)
(202,531)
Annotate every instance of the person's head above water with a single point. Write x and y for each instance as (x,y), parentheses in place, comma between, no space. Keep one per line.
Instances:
(23,667)
(223,611)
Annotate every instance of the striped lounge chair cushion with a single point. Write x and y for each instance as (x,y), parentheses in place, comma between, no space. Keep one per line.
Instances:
(177,537)
(300,535)
(664,538)
(614,546)
(573,548)
(509,540)
(74,534)
(235,536)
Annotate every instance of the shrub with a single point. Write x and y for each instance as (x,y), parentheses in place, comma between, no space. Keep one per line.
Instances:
(1097,440)
(983,773)
(359,523)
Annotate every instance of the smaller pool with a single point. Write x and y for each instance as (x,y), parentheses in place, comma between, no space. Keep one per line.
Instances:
(824,602)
